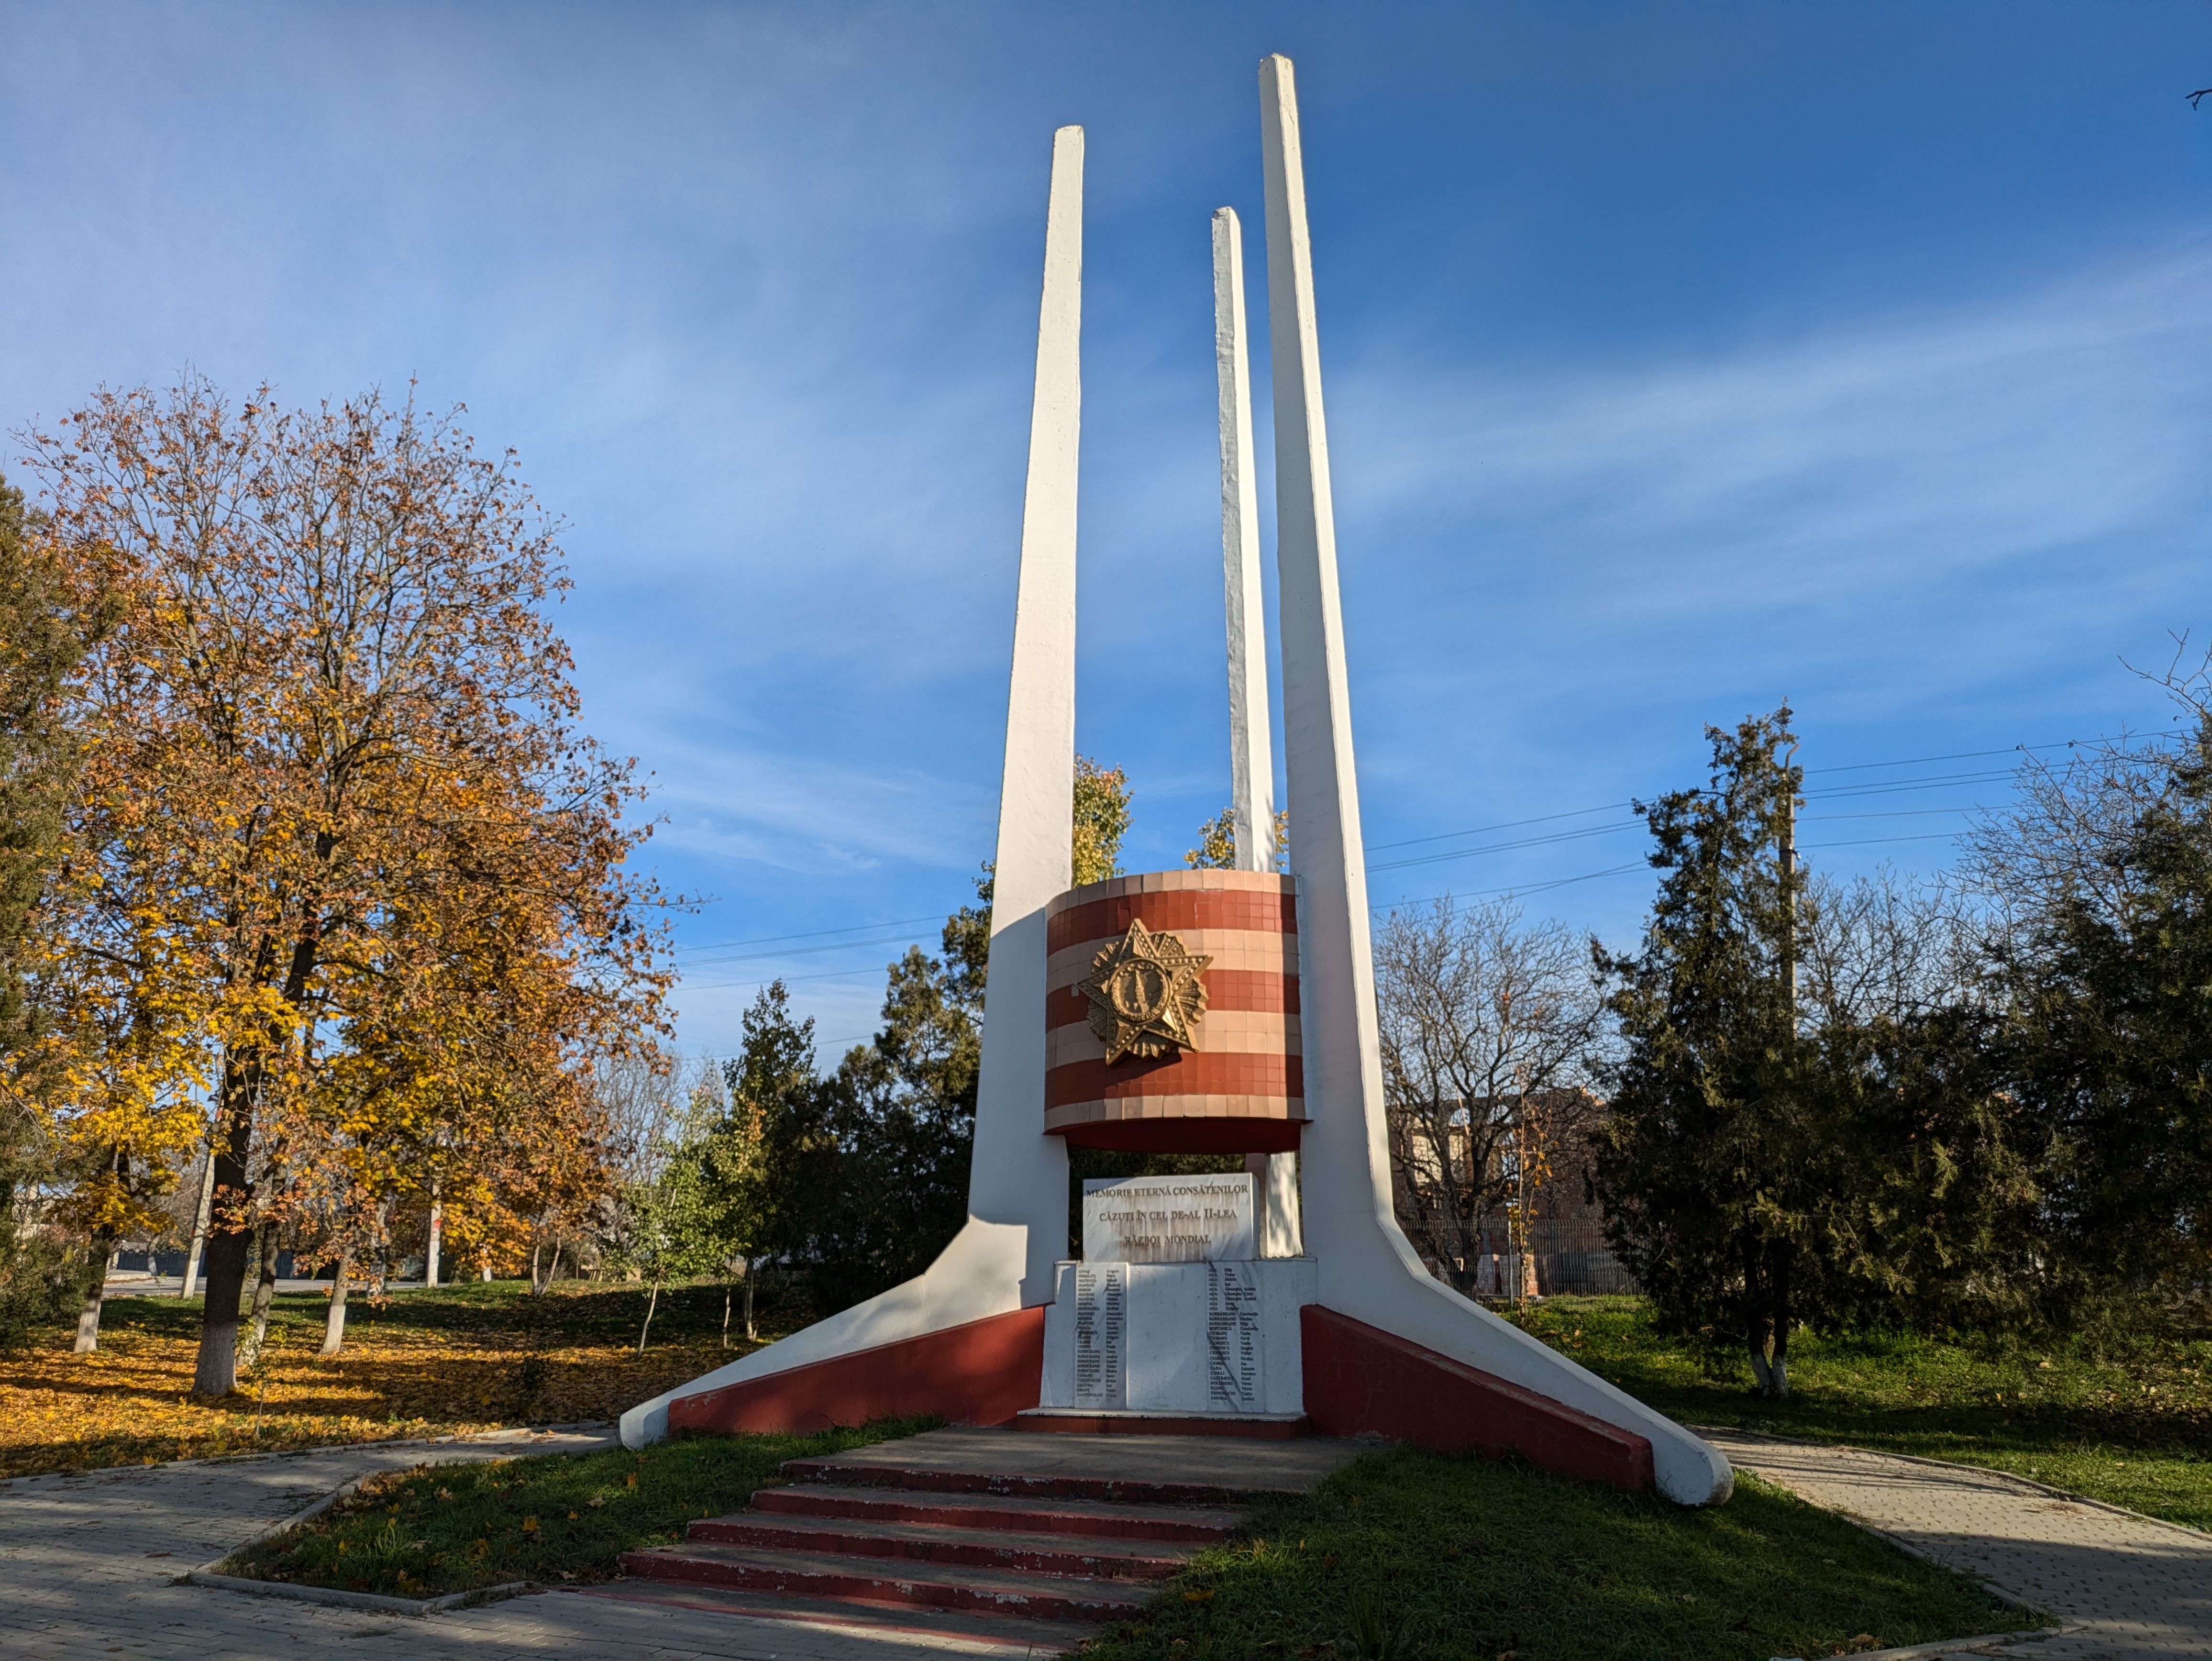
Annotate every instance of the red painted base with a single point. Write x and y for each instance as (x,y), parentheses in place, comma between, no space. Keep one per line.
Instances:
(1359,1378)
(982,1373)
(1187,1135)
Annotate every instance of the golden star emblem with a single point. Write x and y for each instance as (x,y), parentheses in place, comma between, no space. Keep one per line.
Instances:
(1145,994)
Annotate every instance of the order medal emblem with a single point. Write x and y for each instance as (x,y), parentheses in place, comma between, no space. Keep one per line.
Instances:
(1145,994)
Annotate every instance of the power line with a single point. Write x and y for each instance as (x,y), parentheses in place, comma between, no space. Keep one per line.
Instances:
(1877,786)
(811,934)
(1508,825)
(1840,792)
(788,980)
(1963,755)
(805,950)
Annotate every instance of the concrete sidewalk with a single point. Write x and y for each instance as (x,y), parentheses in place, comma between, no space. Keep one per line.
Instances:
(87,1566)
(2126,1586)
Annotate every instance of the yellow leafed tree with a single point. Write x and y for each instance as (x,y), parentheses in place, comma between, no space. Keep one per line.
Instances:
(345,849)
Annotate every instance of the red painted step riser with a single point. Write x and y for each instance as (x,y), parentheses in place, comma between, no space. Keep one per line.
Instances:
(1044,1604)
(1022,1487)
(1019,1560)
(845,1503)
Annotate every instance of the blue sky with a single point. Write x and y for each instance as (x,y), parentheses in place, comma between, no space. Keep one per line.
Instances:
(1679,359)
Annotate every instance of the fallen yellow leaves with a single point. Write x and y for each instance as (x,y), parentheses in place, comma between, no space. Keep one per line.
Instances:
(128,1403)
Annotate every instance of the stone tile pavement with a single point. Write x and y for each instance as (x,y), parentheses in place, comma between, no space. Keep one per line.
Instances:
(87,1566)
(2125,1585)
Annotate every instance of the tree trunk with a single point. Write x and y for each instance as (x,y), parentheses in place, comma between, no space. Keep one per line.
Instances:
(486,1275)
(264,1293)
(750,1334)
(334,1323)
(88,1318)
(228,1238)
(1761,1374)
(535,1287)
(727,1292)
(1778,1369)
(1770,1350)
(217,1372)
(651,1303)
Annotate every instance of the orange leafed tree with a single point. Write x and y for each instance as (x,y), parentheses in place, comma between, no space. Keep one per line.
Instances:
(342,839)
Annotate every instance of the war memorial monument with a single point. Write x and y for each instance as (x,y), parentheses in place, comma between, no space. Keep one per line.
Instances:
(1225,1011)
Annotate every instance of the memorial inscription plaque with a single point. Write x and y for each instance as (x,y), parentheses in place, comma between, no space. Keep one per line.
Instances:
(1102,1327)
(1232,1339)
(1168,1219)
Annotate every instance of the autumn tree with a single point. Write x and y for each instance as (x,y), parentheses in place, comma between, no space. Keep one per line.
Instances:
(1216,842)
(1099,820)
(1488,1022)
(333,783)
(50,611)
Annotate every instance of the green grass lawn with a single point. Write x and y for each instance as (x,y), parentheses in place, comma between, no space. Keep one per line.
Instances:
(1459,1557)
(554,1517)
(1466,1557)
(2131,1425)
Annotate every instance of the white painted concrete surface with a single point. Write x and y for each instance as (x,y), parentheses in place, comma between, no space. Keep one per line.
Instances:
(1251,731)
(1368,1270)
(1251,740)
(1019,1175)
(1016,1227)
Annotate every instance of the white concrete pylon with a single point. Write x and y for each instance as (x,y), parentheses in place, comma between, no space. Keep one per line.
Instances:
(1368,1270)
(1251,734)
(1019,1175)
(1251,740)
(1003,1260)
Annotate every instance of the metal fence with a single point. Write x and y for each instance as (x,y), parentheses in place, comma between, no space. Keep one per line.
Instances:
(1564,1254)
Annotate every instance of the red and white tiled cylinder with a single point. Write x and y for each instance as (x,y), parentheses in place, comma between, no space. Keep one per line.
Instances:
(1241,1089)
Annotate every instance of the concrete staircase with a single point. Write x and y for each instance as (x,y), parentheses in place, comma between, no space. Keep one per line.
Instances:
(993,1524)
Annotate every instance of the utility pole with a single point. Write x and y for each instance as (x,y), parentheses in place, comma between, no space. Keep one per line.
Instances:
(1790,881)
(191,1273)
(437,1235)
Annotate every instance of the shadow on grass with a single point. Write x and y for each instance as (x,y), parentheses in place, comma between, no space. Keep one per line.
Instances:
(554,1518)
(1472,1558)
(2131,1425)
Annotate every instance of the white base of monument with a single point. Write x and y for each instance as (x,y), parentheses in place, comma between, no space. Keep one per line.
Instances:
(1181,1338)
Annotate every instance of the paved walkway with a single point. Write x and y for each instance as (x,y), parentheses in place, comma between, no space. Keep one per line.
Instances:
(2125,1585)
(87,1568)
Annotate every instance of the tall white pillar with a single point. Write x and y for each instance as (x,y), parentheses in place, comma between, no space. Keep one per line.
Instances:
(1251,740)
(1336,963)
(1019,1175)
(1251,735)
(1366,1268)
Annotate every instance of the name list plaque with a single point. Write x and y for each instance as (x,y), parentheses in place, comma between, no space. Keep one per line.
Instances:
(1232,1339)
(1168,1219)
(1102,1327)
